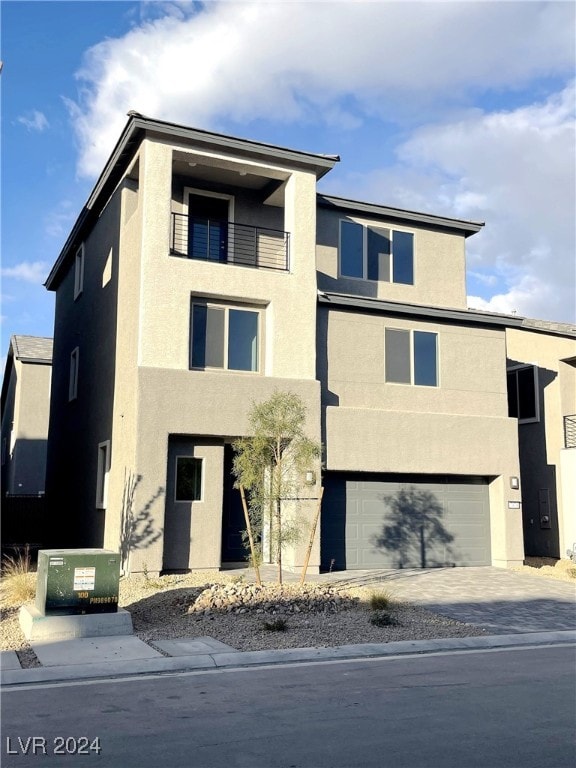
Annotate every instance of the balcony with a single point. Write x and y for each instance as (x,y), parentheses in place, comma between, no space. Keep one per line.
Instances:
(570,431)
(227,242)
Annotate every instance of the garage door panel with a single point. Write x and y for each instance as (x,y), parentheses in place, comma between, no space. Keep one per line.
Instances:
(376,526)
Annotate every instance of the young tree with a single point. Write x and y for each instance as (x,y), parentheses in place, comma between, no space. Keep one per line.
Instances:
(271,466)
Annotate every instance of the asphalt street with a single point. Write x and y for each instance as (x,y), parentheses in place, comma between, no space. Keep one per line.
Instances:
(499,708)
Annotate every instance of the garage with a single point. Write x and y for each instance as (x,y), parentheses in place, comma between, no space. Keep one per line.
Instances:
(404,521)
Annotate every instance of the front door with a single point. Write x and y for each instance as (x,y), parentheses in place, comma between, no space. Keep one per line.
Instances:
(233,522)
(183,488)
(207,228)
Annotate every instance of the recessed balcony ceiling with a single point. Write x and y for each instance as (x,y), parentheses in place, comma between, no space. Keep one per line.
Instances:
(226,172)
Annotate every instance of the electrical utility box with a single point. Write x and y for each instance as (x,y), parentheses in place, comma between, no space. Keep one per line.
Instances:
(76,581)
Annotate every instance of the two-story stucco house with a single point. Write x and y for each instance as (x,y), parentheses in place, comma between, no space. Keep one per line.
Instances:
(204,273)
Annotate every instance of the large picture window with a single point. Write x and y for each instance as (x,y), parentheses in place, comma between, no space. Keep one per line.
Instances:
(224,337)
(523,393)
(376,253)
(411,357)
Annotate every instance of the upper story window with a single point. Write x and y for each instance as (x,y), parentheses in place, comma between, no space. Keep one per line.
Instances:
(79,272)
(411,357)
(522,384)
(73,377)
(224,337)
(376,253)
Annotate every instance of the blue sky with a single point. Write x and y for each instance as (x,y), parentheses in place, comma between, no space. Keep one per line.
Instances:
(462,109)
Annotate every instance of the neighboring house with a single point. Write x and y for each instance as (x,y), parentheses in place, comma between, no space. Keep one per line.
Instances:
(24,439)
(204,273)
(25,410)
(542,387)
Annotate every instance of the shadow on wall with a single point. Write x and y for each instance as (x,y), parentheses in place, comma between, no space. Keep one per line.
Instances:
(413,530)
(137,529)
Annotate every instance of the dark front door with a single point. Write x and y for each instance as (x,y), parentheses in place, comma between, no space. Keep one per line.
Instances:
(207,228)
(233,523)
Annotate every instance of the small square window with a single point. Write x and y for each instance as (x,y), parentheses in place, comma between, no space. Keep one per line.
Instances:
(188,479)
(73,379)
(79,272)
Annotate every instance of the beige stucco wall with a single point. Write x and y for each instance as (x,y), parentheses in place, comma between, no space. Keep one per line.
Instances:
(168,282)
(471,366)
(548,464)
(439,264)
(204,404)
(126,270)
(460,427)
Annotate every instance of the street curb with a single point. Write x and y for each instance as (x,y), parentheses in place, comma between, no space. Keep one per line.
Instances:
(238,659)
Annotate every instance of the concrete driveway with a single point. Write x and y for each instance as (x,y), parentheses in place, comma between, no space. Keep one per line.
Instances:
(497,599)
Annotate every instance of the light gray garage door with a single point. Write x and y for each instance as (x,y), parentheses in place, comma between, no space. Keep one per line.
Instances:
(373,521)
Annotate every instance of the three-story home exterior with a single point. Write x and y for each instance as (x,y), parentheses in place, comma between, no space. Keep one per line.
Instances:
(204,273)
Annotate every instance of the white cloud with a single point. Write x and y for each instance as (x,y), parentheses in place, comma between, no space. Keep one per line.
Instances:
(34,121)
(313,61)
(514,170)
(58,222)
(28,271)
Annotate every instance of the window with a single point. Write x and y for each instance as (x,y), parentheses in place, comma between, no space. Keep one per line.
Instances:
(188,479)
(374,253)
(523,393)
(411,357)
(73,380)
(224,337)
(102,474)
(79,272)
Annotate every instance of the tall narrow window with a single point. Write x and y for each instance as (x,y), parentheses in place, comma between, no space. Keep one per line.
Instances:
(79,272)
(411,357)
(523,401)
(103,470)
(73,379)
(188,479)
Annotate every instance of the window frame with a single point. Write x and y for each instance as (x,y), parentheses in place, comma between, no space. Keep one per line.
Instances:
(366,228)
(515,369)
(73,374)
(189,501)
(102,474)
(79,272)
(227,307)
(412,358)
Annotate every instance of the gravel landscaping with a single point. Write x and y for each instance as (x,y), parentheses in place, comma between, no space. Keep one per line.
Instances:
(228,607)
(223,606)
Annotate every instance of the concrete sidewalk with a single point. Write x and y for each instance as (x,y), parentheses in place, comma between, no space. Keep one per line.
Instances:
(122,657)
(515,608)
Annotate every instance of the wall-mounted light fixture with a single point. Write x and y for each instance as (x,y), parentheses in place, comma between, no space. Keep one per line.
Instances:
(310,478)
(514,483)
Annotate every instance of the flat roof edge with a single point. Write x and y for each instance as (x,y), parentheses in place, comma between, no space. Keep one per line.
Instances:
(346,301)
(341,203)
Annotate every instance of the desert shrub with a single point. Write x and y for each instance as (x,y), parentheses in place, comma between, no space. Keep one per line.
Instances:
(383,619)
(380,600)
(18,578)
(275,625)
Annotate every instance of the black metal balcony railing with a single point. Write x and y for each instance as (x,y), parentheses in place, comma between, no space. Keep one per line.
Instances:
(229,242)
(570,431)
